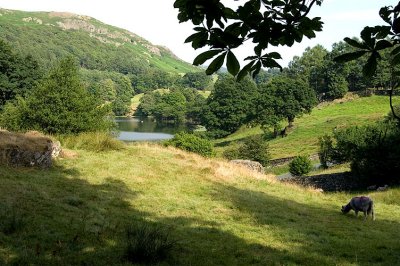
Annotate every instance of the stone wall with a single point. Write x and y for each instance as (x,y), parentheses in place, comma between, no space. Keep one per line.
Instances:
(26,150)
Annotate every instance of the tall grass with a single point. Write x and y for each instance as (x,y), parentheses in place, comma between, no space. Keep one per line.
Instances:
(91,141)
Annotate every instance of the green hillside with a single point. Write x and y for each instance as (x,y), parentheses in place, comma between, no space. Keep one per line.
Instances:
(323,119)
(217,214)
(51,35)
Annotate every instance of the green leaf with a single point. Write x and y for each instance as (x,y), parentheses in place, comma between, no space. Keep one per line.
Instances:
(395,51)
(275,55)
(349,56)
(383,44)
(232,64)
(354,43)
(396,59)
(216,64)
(201,58)
(256,69)
(245,70)
(369,68)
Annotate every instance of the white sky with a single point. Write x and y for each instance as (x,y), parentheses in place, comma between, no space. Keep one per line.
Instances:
(155,20)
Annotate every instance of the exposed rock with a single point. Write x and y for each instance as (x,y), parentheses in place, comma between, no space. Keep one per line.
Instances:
(31,149)
(371,187)
(252,165)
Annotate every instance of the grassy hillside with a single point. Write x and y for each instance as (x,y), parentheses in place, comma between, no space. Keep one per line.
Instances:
(217,213)
(51,35)
(303,139)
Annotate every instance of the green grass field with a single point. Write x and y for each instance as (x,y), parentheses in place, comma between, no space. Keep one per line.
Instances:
(322,120)
(218,214)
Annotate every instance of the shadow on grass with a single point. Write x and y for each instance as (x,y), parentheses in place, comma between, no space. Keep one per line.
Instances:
(66,220)
(69,221)
(315,235)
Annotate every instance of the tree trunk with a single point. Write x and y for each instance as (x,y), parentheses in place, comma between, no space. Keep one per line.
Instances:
(290,121)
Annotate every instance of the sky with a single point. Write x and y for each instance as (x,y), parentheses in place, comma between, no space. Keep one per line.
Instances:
(156,21)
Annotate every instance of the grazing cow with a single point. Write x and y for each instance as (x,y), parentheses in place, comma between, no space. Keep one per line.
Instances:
(363,203)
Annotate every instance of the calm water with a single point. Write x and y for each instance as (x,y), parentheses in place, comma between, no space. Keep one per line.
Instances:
(145,129)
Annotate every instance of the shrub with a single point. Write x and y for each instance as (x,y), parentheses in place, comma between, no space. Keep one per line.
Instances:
(191,143)
(147,243)
(255,148)
(326,150)
(231,152)
(300,165)
(373,151)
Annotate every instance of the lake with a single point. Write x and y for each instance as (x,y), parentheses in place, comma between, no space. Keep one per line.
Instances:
(146,129)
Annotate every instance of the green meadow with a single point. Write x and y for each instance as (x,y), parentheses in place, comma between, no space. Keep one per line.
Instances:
(77,212)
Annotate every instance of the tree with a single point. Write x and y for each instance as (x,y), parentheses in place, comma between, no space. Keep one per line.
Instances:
(266,23)
(196,80)
(283,98)
(60,104)
(230,105)
(18,74)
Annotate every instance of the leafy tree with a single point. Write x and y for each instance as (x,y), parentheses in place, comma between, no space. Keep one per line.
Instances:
(266,23)
(18,74)
(283,98)
(196,80)
(60,104)
(230,105)
(177,105)
(110,87)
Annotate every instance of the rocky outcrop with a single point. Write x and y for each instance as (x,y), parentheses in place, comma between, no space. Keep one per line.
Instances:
(252,165)
(26,150)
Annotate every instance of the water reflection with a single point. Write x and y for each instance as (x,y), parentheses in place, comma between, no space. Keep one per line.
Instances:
(146,129)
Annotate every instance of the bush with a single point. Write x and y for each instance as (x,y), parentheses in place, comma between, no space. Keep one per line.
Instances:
(300,165)
(326,151)
(255,148)
(147,243)
(231,152)
(373,151)
(191,143)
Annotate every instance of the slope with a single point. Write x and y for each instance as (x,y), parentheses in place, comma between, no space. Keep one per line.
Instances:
(51,35)
(303,138)
(218,214)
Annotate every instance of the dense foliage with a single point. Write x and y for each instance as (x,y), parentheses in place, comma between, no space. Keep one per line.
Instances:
(192,143)
(176,105)
(197,80)
(18,74)
(373,151)
(110,87)
(300,165)
(59,104)
(230,105)
(283,98)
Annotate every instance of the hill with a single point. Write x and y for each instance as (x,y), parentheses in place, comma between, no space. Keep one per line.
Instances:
(51,35)
(303,138)
(218,214)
